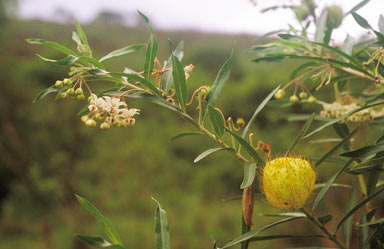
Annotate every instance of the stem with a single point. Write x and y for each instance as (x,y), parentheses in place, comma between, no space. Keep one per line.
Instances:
(330,235)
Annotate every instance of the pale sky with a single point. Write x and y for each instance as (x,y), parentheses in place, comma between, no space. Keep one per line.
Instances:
(229,16)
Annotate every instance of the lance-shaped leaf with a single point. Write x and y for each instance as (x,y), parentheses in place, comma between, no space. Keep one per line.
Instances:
(217,121)
(346,228)
(218,84)
(358,206)
(365,151)
(320,26)
(364,23)
(301,134)
(249,174)
(152,48)
(363,230)
(52,45)
(186,134)
(82,35)
(45,92)
(209,152)
(162,237)
(252,152)
(325,219)
(137,78)
(67,61)
(97,241)
(108,228)
(373,235)
(328,184)
(357,7)
(251,234)
(179,81)
(286,214)
(167,79)
(122,51)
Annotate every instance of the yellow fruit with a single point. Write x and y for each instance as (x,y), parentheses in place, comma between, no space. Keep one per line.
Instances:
(288,182)
(293,99)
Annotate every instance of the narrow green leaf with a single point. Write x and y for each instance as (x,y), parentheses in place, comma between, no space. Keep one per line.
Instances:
(357,7)
(45,92)
(320,27)
(82,35)
(52,45)
(329,183)
(217,121)
(144,17)
(152,48)
(60,91)
(249,174)
(337,146)
(286,236)
(347,45)
(67,61)
(122,51)
(161,228)
(179,81)
(137,78)
(358,206)
(361,21)
(186,134)
(286,214)
(333,121)
(252,152)
(108,228)
(218,84)
(346,228)
(321,185)
(251,234)
(244,229)
(365,151)
(325,219)
(373,178)
(76,38)
(209,152)
(97,241)
(372,236)
(94,62)
(365,223)
(258,109)
(381,24)
(167,79)
(363,230)
(301,134)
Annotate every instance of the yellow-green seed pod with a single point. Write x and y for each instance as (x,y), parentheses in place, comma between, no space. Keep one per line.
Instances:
(79,91)
(293,99)
(288,182)
(312,99)
(80,97)
(279,94)
(58,83)
(67,82)
(90,123)
(71,91)
(303,95)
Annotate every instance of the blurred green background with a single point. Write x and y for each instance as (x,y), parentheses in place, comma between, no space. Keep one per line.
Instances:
(47,154)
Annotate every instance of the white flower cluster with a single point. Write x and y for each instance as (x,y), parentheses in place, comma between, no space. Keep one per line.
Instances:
(337,109)
(111,110)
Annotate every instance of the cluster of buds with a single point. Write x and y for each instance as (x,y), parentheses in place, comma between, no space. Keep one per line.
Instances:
(78,93)
(110,110)
(294,99)
(337,109)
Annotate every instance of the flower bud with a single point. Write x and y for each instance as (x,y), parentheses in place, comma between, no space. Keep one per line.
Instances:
(70,91)
(90,123)
(293,99)
(58,83)
(99,116)
(84,118)
(105,126)
(312,99)
(90,98)
(240,122)
(80,97)
(303,95)
(288,181)
(335,16)
(279,94)
(63,95)
(67,82)
(79,91)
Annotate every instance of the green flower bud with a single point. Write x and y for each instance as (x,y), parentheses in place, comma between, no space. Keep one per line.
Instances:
(79,91)
(279,94)
(90,123)
(84,118)
(105,126)
(99,116)
(70,91)
(63,95)
(293,99)
(303,95)
(335,16)
(90,98)
(59,83)
(80,97)
(67,82)
(311,99)
(301,12)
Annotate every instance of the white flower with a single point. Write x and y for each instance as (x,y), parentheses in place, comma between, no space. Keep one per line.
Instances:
(128,113)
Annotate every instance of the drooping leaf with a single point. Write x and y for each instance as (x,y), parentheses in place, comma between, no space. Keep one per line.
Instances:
(365,223)
(122,51)
(249,174)
(82,35)
(45,92)
(365,151)
(209,152)
(347,45)
(320,26)
(108,228)
(179,82)
(217,121)
(137,78)
(218,84)
(252,152)
(301,134)
(167,79)
(251,234)
(152,48)
(361,21)
(357,7)
(97,241)
(161,228)
(346,228)
(186,134)
(67,61)
(328,184)
(373,178)
(52,45)
(94,62)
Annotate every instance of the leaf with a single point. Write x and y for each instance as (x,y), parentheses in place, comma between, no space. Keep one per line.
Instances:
(167,79)
(329,183)
(365,151)
(320,27)
(151,52)
(252,233)
(186,134)
(67,61)
(249,174)
(363,230)
(357,7)
(82,35)
(161,228)
(209,152)
(217,121)
(333,121)
(302,133)
(122,51)
(365,223)
(252,152)
(348,45)
(372,236)
(218,84)
(94,62)
(258,109)
(45,92)
(285,236)
(347,225)
(97,241)
(381,24)
(52,45)
(325,219)
(244,229)
(373,178)
(337,146)
(361,21)
(137,78)
(144,17)
(286,214)
(358,206)
(108,228)
(179,81)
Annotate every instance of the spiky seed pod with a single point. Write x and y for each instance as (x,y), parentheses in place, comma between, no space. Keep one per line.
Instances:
(288,181)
